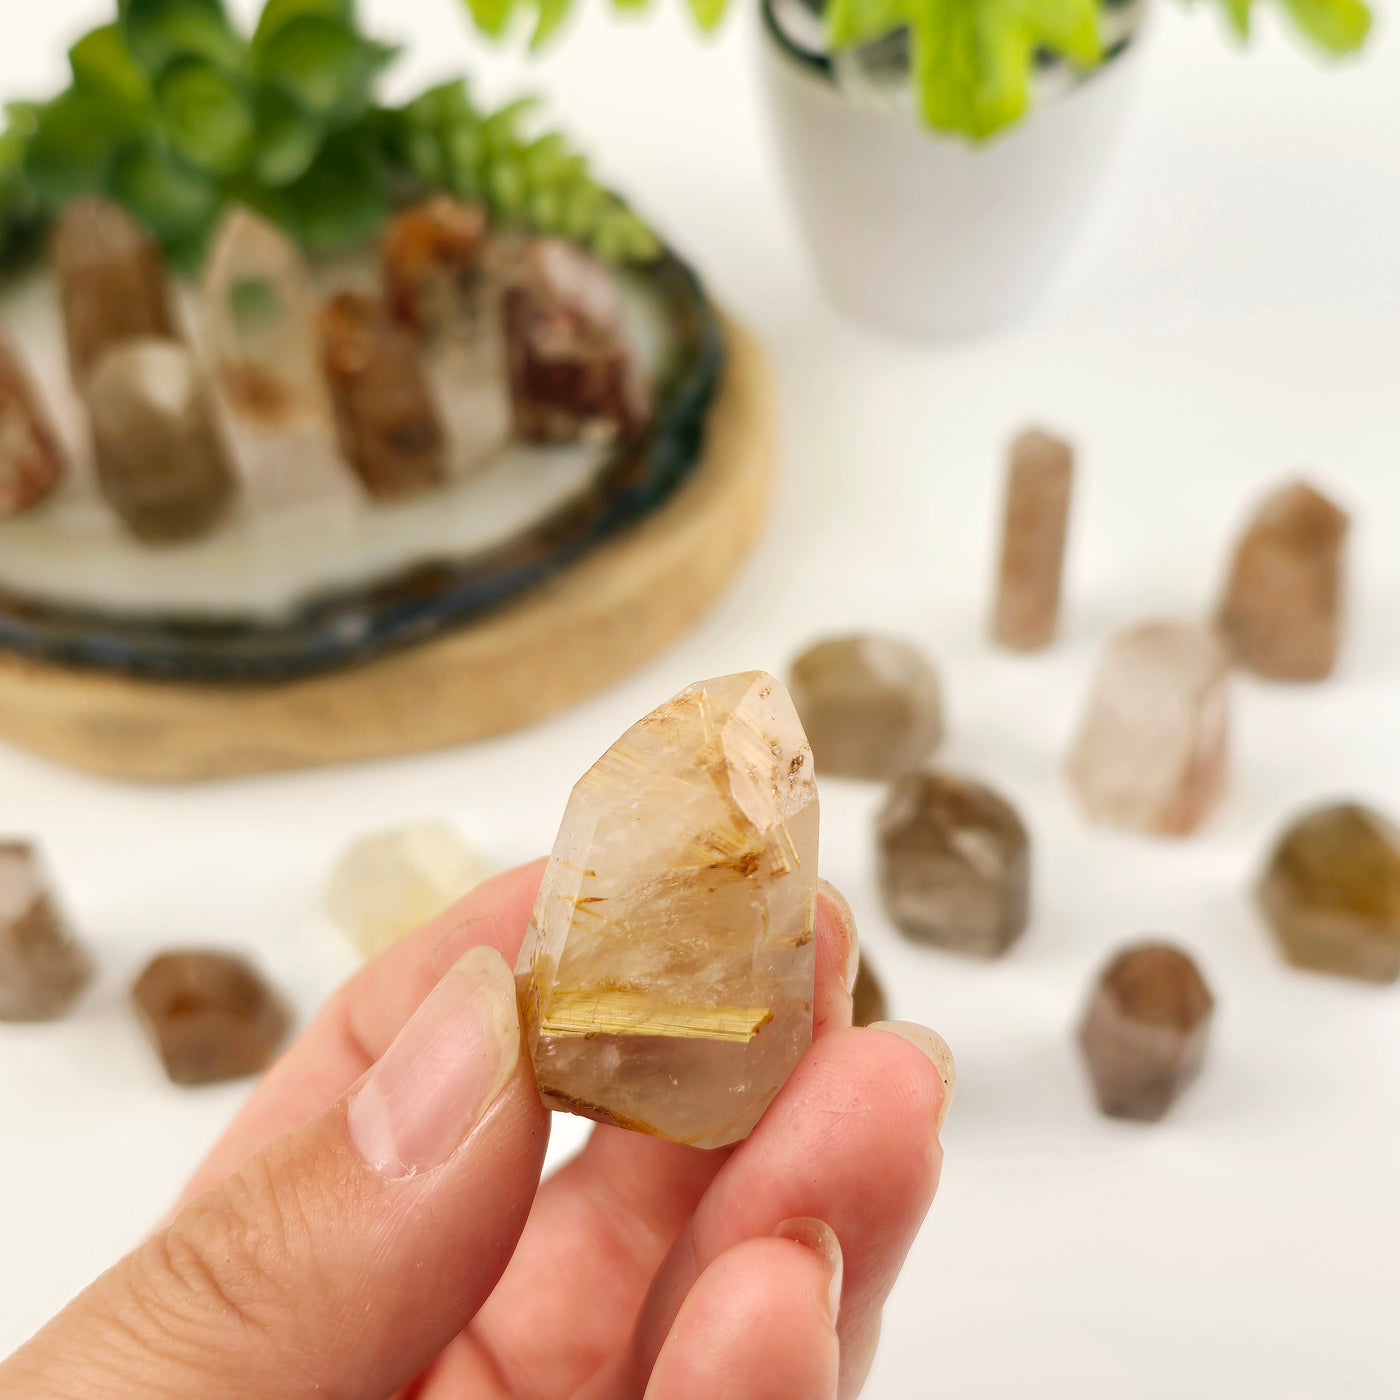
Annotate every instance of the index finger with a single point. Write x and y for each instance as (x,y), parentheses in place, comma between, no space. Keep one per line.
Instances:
(360,1021)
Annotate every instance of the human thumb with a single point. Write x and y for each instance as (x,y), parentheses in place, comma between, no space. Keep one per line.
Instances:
(344,1256)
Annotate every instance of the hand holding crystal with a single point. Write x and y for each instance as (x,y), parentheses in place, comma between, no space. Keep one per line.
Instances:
(373,1224)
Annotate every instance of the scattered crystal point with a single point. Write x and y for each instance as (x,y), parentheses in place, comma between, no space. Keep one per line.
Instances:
(160,460)
(571,372)
(1332,893)
(112,282)
(432,255)
(667,976)
(870,706)
(42,966)
(1282,609)
(440,284)
(1152,749)
(955,863)
(1144,1033)
(31,461)
(1038,487)
(389,427)
(867,997)
(210,1016)
(391,882)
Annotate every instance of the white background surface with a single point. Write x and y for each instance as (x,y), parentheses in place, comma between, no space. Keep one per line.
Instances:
(1236,313)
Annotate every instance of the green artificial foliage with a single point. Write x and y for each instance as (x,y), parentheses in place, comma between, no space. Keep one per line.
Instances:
(972,60)
(175,114)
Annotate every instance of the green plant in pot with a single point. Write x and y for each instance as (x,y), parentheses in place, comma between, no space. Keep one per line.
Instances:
(943,154)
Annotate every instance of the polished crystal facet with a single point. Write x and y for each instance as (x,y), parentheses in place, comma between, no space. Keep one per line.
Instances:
(955,863)
(442,286)
(871,706)
(867,997)
(1033,541)
(42,966)
(31,460)
(160,460)
(391,882)
(572,374)
(1151,753)
(112,280)
(1144,1033)
(210,1016)
(388,424)
(1332,893)
(667,976)
(1282,609)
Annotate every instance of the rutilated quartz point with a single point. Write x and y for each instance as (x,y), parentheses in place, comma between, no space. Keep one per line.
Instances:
(31,460)
(871,706)
(666,980)
(1282,609)
(1144,1033)
(387,422)
(440,285)
(572,373)
(42,966)
(955,864)
(160,461)
(1151,753)
(391,882)
(1331,892)
(112,281)
(1038,486)
(209,1015)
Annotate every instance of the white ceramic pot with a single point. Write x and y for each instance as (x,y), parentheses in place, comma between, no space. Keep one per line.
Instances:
(928,235)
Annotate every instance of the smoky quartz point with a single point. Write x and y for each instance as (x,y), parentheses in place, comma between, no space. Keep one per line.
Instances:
(666,980)
(42,966)
(955,863)
(1331,892)
(868,1003)
(871,706)
(1144,1033)
(209,1015)
(112,281)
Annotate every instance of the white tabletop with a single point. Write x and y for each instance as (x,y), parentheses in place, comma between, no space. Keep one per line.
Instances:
(1234,315)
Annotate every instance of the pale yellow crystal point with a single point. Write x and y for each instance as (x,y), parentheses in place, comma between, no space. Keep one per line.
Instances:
(666,979)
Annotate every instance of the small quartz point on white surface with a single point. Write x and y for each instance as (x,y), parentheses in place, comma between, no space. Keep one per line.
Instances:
(391,882)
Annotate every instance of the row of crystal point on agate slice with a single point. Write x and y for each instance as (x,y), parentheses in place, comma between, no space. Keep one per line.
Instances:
(462,341)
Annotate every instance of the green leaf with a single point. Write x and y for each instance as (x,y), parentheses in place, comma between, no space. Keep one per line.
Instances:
(278,13)
(343,199)
(176,203)
(708,13)
(74,143)
(101,61)
(850,23)
(157,31)
(551,14)
(287,137)
(205,115)
(1335,26)
(492,16)
(324,64)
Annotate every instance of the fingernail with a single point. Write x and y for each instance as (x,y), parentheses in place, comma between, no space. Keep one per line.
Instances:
(444,1070)
(818,1236)
(936,1048)
(843,908)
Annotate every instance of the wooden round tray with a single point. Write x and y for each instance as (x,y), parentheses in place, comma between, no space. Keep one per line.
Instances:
(571,637)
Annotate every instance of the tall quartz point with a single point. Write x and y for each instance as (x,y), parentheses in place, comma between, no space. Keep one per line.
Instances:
(31,460)
(112,282)
(259,327)
(42,966)
(572,373)
(1152,750)
(441,286)
(666,979)
(1332,893)
(1282,609)
(389,427)
(160,458)
(1033,541)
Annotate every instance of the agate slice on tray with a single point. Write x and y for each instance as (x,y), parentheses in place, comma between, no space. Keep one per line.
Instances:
(397,442)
